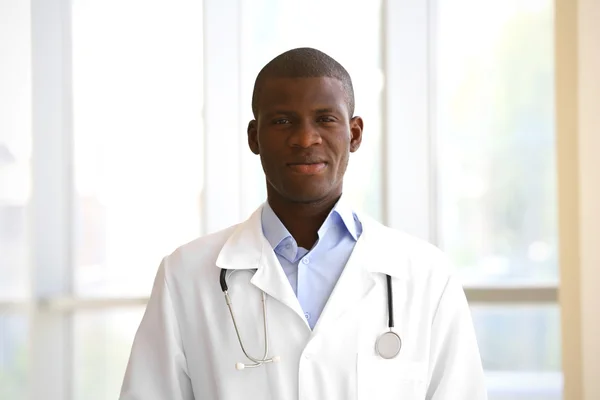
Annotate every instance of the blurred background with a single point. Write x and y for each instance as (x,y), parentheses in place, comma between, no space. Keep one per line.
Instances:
(122,136)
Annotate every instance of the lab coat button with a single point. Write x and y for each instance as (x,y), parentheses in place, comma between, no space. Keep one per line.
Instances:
(307,356)
(305,260)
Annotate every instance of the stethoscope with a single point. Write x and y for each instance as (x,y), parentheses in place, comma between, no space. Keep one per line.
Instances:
(387,345)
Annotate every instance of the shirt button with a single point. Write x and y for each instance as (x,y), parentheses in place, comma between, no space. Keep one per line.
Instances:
(287,246)
(307,315)
(305,260)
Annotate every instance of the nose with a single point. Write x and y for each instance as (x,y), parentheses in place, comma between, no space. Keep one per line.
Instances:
(305,135)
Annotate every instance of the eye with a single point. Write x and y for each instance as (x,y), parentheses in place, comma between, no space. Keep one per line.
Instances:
(326,118)
(281,121)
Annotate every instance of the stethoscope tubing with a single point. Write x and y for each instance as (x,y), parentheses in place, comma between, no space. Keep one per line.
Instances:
(265,359)
(257,361)
(390,301)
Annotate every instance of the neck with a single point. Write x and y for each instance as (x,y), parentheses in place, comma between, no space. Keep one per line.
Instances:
(302,220)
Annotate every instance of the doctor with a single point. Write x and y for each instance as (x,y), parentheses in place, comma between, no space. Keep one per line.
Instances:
(354,310)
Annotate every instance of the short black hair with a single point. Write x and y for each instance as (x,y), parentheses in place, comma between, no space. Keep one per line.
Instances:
(303,62)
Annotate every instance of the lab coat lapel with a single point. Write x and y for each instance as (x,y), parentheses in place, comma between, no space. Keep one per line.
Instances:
(271,279)
(247,248)
(354,285)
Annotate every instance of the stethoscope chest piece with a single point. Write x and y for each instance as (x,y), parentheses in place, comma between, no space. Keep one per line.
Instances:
(388,345)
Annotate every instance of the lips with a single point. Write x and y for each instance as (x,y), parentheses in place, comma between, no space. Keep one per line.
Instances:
(309,168)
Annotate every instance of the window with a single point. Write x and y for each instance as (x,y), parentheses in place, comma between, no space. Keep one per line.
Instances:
(102,342)
(520,350)
(138,147)
(494,166)
(14,330)
(135,105)
(494,126)
(15,148)
(137,110)
(104,161)
(15,170)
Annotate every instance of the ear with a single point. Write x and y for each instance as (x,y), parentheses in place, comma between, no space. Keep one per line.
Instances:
(253,136)
(356,130)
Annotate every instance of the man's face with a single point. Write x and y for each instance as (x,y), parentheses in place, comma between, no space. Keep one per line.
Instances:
(304,135)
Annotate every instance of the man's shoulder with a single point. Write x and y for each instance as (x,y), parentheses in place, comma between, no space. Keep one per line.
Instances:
(415,255)
(198,254)
(401,240)
(212,241)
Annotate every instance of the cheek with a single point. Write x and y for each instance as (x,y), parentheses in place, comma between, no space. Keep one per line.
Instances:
(270,143)
(342,149)
(269,163)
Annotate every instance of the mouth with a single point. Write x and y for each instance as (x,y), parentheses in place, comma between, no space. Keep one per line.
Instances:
(311,168)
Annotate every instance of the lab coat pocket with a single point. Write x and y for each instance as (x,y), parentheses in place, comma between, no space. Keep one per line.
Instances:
(383,379)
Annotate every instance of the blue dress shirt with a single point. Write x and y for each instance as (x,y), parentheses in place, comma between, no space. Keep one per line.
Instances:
(313,273)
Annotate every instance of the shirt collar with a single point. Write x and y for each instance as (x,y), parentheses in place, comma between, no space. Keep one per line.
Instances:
(341,214)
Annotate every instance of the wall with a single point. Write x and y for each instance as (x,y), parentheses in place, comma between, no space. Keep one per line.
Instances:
(578,149)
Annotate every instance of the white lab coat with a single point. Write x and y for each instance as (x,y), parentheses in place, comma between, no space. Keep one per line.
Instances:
(186,346)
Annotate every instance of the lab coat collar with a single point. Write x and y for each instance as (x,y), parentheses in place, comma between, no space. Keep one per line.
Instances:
(247,247)
(341,215)
(375,253)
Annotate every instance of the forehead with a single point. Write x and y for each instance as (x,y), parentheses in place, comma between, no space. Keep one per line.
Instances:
(301,93)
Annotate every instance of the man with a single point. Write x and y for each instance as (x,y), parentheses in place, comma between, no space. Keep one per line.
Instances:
(331,282)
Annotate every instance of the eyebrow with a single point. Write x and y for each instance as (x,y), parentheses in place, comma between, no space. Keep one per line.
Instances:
(325,110)
(273,113)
